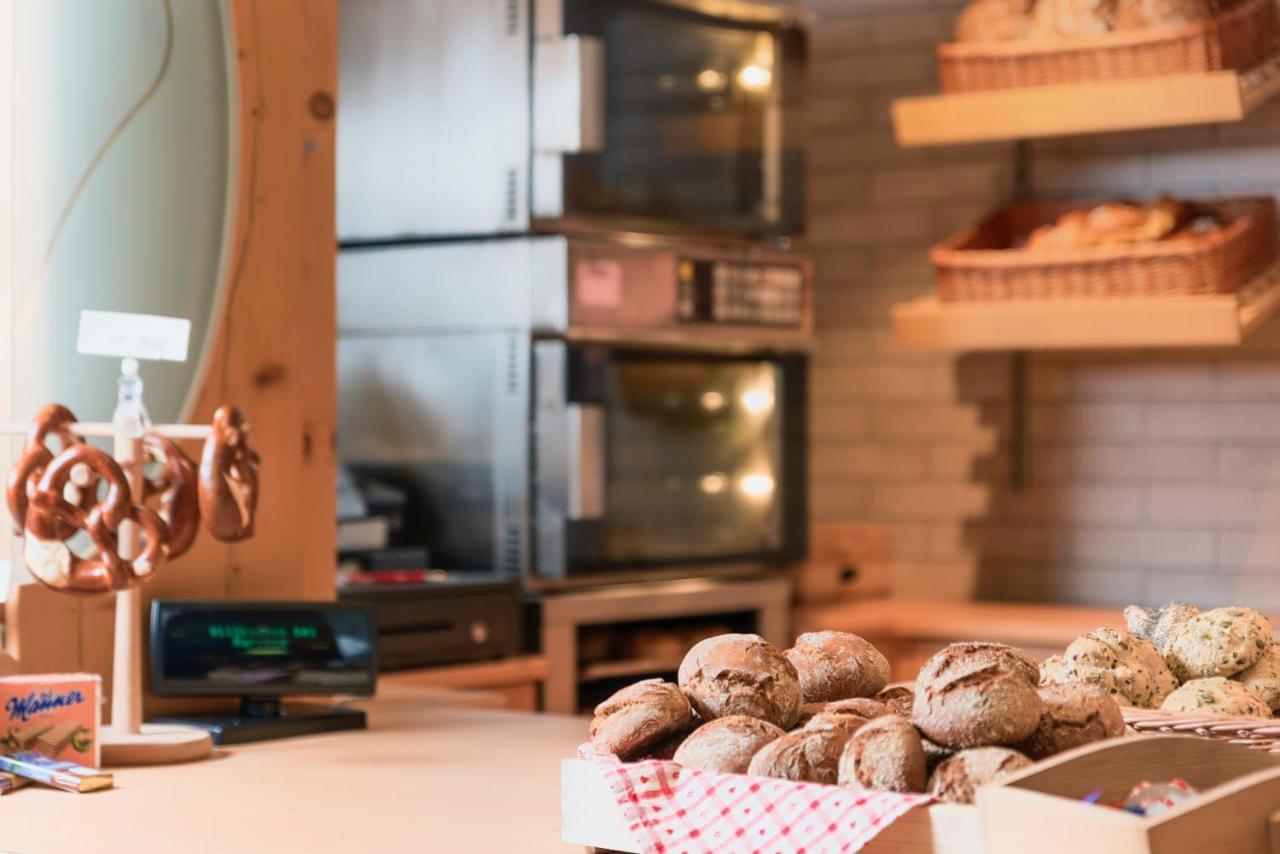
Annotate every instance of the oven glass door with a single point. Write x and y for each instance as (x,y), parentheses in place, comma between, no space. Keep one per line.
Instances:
(694,129)
(678,459)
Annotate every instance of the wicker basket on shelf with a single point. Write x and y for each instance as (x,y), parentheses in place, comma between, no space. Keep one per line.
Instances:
(1257,733)
(1239,36)
(976,264)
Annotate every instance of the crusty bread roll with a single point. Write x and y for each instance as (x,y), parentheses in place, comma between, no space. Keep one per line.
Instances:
(1263,676)
(848,714)
(971,695)
(957,779)
(837,666)
(726,744)
(1072,715)
(639,717)
(811,755)
(741,675)
(899,699)
(1221,642)
(886,755)
(1217,695)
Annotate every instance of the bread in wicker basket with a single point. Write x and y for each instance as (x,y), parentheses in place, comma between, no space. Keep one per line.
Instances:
(979,263)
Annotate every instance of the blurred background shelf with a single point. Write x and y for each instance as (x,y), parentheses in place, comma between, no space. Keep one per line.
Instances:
(928,323)
(628,667)
(1079,108)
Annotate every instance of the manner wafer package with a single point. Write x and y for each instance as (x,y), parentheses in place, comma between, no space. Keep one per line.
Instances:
(54,714)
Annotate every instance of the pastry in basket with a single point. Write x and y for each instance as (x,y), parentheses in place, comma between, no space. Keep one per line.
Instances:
(726,744)
(1155,624)
(849,714)
(971,695)
(1058,19)
(1128,667)
(1263,676)
(1073,715)
(639,717)
(837,666)
(1111,224)
(886,755)
(1149,14)
(741,675)
(1217,695)
(958,778)
(994,21)
(808,755)
(1221,642)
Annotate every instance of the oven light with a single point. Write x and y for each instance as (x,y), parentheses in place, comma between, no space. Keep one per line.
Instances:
(757,401)
(710,80)
(754,77)
(712,401)
(756,486)
(713,484)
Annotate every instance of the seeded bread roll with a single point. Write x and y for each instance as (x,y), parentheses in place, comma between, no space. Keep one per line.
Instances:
(804,755)
(726,744)
(899,699)
(957,779)
(1072,715)
(741,675)
(1155,624)
(1221,642)
(1217,695)
(837,666)
(972,695)
(640,717)
(1126,666)
(1264,676)
(849,714)
(886,755)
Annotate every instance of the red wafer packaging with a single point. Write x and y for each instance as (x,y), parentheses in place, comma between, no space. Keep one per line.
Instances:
(55,714)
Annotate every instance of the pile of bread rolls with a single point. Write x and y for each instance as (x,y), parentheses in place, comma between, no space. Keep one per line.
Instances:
(1221,662)
(821,712)
(1011,20)
(1121,223)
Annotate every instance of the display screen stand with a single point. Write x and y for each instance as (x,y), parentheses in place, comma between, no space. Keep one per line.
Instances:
(262,718)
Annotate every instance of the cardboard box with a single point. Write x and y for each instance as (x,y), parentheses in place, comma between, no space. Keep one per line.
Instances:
(56,714)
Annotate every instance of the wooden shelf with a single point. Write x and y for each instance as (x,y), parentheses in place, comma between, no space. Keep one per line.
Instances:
(628,667)
(1076,108)
(930,324)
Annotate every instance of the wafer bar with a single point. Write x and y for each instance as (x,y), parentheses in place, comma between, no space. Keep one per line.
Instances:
(26,737)
(54,740)
(67,776)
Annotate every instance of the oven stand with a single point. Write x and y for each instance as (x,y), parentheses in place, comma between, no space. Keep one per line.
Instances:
(563,615)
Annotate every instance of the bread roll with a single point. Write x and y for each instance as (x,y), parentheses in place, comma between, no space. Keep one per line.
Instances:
(726,744)
(1217,695)
(741,675)
(971,695)
(1059,19)
(1155,624)
(1125,665)
(1221,642)
(837,666)
(640,717)
(804,755)
(899,699)
(848,714)
(886,755)
(1263,676)
(1072,715)
(957,779)
(994,21)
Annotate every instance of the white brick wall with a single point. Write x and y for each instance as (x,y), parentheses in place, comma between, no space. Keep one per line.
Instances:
(1150,474)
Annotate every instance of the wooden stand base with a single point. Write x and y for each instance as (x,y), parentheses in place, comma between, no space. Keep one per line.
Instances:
(157,744)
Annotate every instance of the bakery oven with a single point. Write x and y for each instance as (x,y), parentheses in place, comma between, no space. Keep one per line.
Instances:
(575,409)
(678,116)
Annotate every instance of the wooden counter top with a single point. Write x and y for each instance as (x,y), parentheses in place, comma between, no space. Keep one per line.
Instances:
(431,774)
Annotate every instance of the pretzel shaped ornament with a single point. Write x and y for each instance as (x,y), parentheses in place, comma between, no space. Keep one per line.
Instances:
(177,484)
(48,554)
(229,478)
(24,477)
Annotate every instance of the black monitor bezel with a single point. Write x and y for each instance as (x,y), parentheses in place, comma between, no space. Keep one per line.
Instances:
(194,688)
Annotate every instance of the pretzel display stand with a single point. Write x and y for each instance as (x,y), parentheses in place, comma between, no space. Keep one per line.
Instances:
(59,500)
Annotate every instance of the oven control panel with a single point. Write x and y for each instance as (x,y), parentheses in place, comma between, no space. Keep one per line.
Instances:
(736,292)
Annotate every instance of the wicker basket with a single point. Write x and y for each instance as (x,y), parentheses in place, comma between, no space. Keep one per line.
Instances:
(1241,35)
(975,265)
(1257,733)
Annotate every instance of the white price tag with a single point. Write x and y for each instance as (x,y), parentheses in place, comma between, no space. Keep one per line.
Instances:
(137,336)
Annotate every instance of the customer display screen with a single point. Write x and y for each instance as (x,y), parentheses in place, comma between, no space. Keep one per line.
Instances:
(205,648)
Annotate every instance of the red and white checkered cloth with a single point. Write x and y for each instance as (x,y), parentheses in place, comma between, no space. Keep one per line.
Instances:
(675,810)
